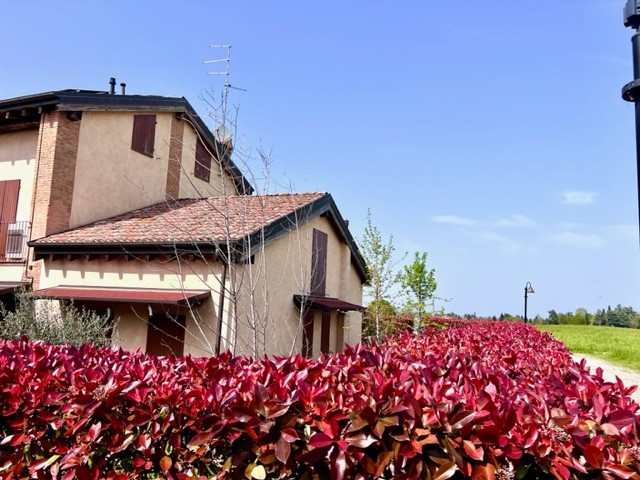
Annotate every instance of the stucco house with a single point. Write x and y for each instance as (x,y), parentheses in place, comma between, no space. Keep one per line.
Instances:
(129,204)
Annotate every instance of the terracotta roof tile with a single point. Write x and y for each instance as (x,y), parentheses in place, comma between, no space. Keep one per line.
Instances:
(188,220)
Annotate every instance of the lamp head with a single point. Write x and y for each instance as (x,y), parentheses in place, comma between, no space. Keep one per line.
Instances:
(631,13)
(528,288)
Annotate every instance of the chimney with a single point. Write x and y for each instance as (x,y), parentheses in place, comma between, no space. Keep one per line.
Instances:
(112,86)
(123,86)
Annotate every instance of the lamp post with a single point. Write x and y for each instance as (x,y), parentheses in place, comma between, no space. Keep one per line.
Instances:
(631,91)
(527,290)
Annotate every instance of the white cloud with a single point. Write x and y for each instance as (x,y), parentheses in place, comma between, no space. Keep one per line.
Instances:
(516,221)
(579,198)
(503,242)
(573,239)
(455,220)
(569,226)
(494,237)
(629,232)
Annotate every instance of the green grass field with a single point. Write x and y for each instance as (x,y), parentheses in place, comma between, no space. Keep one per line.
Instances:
(620,346)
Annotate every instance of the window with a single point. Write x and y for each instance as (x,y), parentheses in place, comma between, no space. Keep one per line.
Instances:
(9,190)
(203,162)
(319,263)
(144,134)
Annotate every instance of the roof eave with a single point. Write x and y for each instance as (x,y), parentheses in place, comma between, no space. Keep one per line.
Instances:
(93,100)
(44,249)
(325,205)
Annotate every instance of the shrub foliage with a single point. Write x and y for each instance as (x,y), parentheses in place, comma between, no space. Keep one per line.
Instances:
(53,322)
(474,400)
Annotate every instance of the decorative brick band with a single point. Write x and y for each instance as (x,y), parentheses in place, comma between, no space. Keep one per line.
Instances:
(56,157)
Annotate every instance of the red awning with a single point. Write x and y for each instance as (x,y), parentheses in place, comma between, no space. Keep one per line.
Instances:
(325,303)
(124,295)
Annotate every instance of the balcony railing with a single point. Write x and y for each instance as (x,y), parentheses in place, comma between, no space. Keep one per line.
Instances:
(13,241)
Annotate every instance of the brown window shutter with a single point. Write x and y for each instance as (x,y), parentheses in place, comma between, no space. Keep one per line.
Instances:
(319,263)
(325,334)
(307,334)
(203,162)
(144,134)
(9,190)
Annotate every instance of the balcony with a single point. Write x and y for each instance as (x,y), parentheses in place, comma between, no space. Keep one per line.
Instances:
(13,241)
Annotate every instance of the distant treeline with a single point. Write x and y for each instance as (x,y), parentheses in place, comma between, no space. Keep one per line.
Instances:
(615,317)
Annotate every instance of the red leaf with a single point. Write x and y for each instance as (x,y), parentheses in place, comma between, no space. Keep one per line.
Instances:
(200,439)
(620,471)
(561,470)
(276,411)
(289,435)
(338,464)
(461,419)
(622,418)
(320,440)
(384,458)
(609,429)
(445,471)
(242,414)
(94,431)
(472,451)
(361,440)
(594,456)
(165,464)
(483,472)
(283,450)
(37,465)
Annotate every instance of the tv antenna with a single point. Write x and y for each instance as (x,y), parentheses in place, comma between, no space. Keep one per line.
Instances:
(226,72)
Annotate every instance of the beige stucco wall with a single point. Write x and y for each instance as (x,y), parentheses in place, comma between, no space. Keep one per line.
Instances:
(18,162)
(219,184)
(11,272)
(131,330)
(288,267)
(111,178)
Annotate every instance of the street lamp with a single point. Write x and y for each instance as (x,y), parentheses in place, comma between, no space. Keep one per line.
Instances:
(631,91)
(527,290)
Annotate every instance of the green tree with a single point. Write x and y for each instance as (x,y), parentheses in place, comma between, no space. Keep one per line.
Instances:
(389,320)
(620,316)
(553,317)
(581,317)
(63,325)
(419,284)
(600,317)
(381,270)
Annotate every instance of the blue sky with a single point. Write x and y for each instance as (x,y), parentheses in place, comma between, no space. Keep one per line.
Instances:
(490,134)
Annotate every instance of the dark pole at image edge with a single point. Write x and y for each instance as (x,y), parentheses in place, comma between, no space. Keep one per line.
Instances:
(631,91)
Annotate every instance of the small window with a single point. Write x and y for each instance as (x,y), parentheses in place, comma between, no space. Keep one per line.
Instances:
(144,134)
(203,162)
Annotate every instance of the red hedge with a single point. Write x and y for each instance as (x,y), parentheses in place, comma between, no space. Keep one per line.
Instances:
(474,400)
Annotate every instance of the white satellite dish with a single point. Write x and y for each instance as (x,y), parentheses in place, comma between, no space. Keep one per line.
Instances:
(222,134)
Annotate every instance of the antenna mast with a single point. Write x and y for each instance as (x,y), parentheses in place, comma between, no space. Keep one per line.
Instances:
(226,73)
